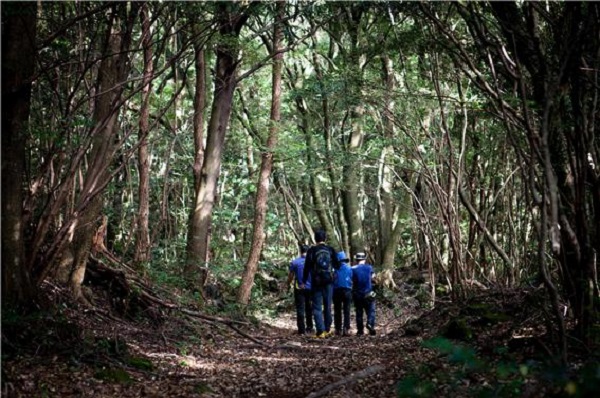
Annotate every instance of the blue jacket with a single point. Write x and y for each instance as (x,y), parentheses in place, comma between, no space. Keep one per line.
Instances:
(361,279)
(342,277)
(297,267)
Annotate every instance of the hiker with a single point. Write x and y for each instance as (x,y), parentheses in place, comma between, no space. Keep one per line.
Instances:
(302,300)
(321,260)
(363,294)
(342,295)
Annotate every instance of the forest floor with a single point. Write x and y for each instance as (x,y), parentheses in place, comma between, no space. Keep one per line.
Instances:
(495,347)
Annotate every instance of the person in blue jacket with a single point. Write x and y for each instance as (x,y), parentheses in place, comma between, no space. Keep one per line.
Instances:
(342,295)
(363,294)
(302,295)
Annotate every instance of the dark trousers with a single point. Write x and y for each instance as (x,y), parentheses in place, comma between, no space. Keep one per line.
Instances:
(363,306)
(342,298)
(304,314)
(321,300)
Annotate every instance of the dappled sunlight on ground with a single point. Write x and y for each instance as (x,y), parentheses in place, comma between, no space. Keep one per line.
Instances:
(84,352)
(286,321)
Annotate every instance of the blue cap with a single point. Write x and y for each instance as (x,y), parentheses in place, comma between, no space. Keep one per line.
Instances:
(341,256)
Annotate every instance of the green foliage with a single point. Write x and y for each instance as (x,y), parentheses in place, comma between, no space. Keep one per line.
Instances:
(587,381)
(182,348)
(140,363)
(458,329)
(457,354)
(202,388)
(167,273)
(116,347)
(415,387)
(114,375)
(40,331)
(504,378)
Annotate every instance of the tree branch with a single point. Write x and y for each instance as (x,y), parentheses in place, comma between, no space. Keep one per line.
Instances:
(347,380)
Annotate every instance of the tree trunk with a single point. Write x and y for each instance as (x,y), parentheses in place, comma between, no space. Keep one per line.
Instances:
(262,192)
(342,241)
(550,59)
(194,263)
(566,93)
(112,72)
(389,227)
(353,164)
(18,61)
(314,186)
(142,247)
(225,81)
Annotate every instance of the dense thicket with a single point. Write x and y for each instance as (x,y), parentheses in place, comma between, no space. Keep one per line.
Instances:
(458,139)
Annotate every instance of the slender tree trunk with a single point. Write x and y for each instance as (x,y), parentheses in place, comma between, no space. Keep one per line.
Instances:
(262,192)
(225,81)
(142,247)
(389,228)
(18,61)
(115,218)
(316,190)
(314,186)
(352,163)
(194,264)
(566,94)
(302,227)
(112,72)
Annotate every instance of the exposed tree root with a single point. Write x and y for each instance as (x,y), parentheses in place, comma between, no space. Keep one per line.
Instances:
(130,295)
(346,380)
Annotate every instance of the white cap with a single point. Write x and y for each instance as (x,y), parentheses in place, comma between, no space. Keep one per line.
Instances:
(360,256)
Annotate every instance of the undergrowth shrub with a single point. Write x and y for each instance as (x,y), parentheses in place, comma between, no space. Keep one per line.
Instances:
(467,374)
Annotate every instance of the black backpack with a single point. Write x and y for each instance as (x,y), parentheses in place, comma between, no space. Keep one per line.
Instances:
(323,266)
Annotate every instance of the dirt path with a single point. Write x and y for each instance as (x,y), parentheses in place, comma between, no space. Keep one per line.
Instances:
(296,366)
(92,353)
(108,357)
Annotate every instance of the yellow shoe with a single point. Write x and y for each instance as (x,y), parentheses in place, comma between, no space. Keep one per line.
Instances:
(321,335)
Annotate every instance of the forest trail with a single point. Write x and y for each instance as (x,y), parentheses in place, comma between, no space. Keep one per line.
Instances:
(92,352)
(105,356)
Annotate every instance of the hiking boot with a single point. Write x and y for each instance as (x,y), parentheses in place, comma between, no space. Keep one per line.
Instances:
(371,330)
(360,333)
(321,335)
(310,331)
(345,332)
(338,333)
